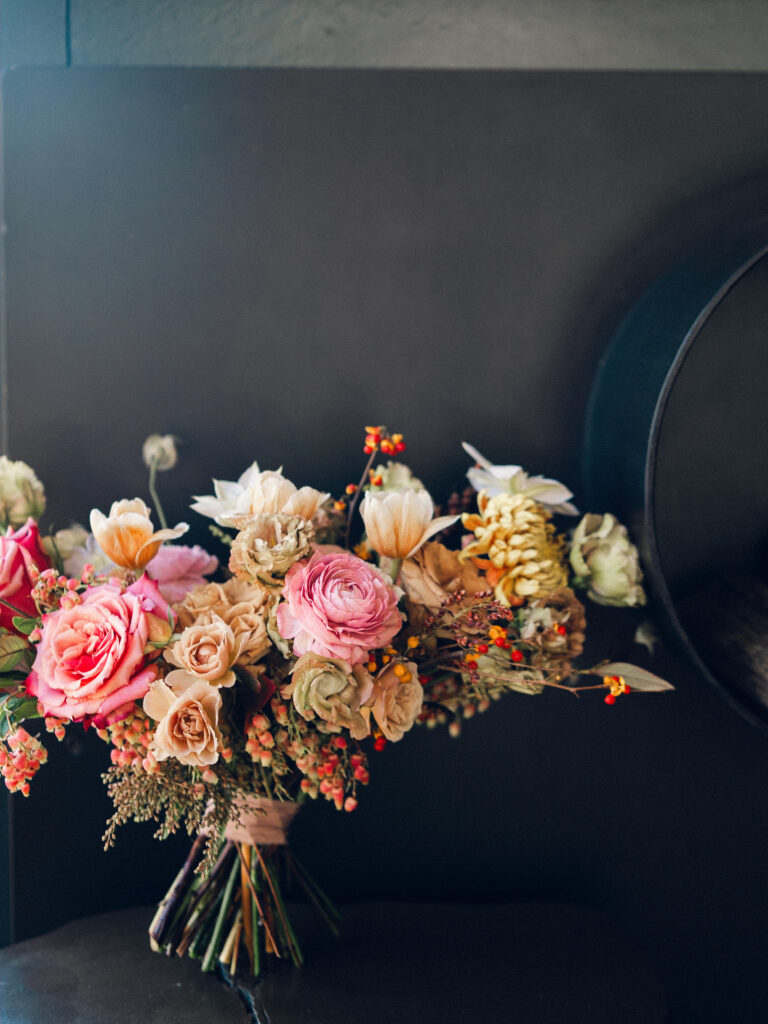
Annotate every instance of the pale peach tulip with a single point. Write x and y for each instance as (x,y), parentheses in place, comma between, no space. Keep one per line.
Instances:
(127,536)
(397,523)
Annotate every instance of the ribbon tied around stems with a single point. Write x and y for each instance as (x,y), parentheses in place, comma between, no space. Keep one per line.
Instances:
(260,821)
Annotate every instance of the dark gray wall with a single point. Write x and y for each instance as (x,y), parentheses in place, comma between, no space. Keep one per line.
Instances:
(261,261)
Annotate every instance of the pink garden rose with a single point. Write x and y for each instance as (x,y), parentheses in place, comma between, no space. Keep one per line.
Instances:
(178,568)
(19,551)
(90,664)
(339,606)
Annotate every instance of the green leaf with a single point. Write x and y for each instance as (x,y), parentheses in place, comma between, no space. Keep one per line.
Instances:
(636,678)
(16,709)
(24,625)
(8,662)
(11,651)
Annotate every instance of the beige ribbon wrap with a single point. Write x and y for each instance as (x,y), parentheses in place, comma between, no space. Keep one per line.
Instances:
(261,822)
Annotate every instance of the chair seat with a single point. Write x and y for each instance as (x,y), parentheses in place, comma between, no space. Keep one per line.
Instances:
(396,963)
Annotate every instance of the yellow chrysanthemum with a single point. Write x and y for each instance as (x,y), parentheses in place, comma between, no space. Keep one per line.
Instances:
(525,554)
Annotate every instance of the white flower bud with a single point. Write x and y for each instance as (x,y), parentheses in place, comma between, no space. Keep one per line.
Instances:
(21,493)
(160,450)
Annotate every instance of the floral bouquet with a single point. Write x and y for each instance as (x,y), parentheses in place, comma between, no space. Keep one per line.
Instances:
(227,704)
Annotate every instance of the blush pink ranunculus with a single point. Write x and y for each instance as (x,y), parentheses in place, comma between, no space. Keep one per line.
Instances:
(178,568)
(90,665)
(19,551)
(339,606)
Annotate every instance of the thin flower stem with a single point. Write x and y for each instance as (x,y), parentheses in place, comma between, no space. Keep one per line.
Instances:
(356,499)
(286,930)
(155,498)
(226,902)
(257,902)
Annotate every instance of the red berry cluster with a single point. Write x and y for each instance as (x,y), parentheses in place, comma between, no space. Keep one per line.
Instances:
(379,439)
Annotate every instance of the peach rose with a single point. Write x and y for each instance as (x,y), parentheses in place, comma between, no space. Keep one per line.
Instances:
(208,650)
(186,709)
(91,663)
(397,701)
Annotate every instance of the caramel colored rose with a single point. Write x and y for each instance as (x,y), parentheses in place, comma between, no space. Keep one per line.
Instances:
(208,649)
(435,572)
(397,700)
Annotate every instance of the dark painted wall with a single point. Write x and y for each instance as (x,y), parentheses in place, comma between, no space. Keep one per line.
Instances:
(261,261)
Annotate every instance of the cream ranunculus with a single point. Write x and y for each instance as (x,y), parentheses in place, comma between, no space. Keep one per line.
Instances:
(257,493)
(127,536)
(397,700)
(398,522)
(21,494)
(605,561)
(208,649)
(332,690)
(186,709)
(268,545)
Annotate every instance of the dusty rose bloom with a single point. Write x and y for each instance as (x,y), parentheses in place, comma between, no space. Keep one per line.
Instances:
(339,606)
(186,709)
(396,702)
(178,568)
(208,649)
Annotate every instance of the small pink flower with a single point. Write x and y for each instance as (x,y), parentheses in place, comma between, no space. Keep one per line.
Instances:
(90,664)
(178,569)
(338,606)
(20,551)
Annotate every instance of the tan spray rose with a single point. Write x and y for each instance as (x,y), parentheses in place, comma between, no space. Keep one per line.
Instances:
(127,535)
(186,709)
(332,690)
(397,699)
(208,649)
(245,608)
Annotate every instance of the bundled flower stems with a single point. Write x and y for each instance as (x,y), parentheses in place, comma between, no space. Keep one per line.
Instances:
(228,697)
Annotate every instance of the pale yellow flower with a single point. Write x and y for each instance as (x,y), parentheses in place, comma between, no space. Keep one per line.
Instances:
(127,536)
(397,523)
